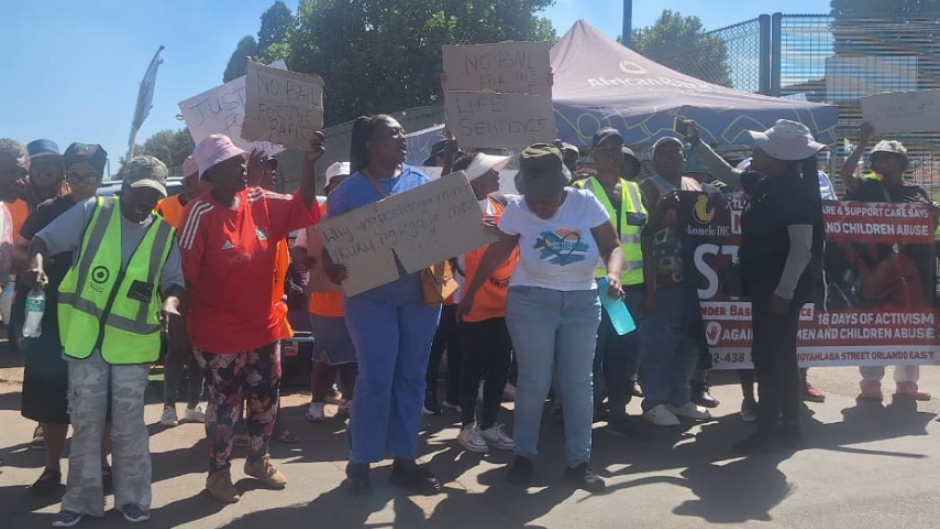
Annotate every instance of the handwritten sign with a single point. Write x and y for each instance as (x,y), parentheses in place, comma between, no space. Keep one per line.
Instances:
(282,107)
(483,120)
(317,281)
(423,226)
(222,111)
(903,111)
(505,67)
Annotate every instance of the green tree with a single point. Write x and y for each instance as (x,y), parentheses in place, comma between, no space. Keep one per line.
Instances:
(681,43)
(276,22)
(385,55)
(169,146)
(247,47)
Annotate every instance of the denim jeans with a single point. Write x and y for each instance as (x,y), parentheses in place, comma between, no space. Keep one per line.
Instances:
(668,353)
(554,332)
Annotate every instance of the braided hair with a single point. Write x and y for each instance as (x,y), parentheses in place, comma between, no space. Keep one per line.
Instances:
(362,131)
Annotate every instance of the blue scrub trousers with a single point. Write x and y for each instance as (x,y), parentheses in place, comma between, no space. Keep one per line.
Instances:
(391,328)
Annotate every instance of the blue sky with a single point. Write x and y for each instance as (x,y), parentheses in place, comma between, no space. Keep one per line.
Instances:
(72,68)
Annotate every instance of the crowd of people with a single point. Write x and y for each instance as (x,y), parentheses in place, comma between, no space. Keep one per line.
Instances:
(126,277)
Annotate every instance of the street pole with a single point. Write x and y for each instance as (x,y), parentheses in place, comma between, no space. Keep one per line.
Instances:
(627,22)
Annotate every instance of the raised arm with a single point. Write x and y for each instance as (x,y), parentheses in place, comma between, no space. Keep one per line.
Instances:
(715,163)
(847,173)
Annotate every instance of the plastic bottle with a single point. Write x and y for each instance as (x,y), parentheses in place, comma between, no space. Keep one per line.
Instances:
(616,309)
(35,307)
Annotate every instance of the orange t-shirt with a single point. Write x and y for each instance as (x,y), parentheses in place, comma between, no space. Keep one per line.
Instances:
(171,209)
(490,300)
(329,304)
(19,210)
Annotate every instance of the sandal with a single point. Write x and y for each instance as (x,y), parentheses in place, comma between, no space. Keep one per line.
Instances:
(49,481)
(287,437)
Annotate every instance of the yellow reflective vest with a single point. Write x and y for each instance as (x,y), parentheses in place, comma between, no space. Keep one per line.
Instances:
(105,306)
(630,222)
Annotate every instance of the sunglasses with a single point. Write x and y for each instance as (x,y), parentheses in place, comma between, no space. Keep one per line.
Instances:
(82,178)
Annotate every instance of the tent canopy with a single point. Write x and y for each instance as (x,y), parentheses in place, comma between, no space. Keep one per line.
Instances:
(600,83)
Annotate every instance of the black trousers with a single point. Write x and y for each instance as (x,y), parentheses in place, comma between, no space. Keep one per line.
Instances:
(487,352)
(615,361)
(773,350)
(445,339)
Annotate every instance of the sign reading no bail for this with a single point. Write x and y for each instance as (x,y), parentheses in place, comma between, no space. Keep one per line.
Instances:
(282,107)
(504,67)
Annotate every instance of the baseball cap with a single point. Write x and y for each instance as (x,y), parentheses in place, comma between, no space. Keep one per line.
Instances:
(605,134)
(213,150)
(437,149)
(146,171)
(891,147)
(40,148)
(93,155)
(665,141)
(335,170)
(542,171)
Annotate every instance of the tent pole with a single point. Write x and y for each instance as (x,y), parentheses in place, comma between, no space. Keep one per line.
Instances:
(627,22)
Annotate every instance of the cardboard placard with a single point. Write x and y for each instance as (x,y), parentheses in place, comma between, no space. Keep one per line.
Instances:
(484,120)
(903,111)
(423,226)
(504,67)
(222,111)
(317,282)
(281,107)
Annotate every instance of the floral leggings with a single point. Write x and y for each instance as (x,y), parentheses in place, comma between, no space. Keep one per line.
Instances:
(233,379)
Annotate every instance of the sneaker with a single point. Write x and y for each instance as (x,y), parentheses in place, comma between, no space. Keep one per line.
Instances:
(134,513)
(265,472)
(911,391)
(241,440)
(451,406)
(871,390)
(702,396)
(691,411)
(628,428)
(749,410)
(471,439)
(66,519)
(811,394)
(169,417)
(520,472)
(357,478)
(497,437)
(197,414)
(661,416)
(315,412)
(416,478)
(509,392)
(583,477)
(39,440)
(431,407)
(219,484)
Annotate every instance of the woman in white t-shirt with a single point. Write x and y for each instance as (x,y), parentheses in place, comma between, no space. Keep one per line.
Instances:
(553,309)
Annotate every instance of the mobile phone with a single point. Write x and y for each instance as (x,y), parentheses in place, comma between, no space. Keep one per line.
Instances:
(681,126)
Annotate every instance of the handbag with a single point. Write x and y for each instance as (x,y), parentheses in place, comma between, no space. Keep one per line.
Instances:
(437,280)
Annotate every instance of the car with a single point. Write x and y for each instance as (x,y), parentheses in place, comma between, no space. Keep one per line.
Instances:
(174,186)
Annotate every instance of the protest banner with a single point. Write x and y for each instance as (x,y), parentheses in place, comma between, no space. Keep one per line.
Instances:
(903,111)
(504,67)
(485,120)
(281,107)
(222,111)
(873,305)
(317,282)
(420,227)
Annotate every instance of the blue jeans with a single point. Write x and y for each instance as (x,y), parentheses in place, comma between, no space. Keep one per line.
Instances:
(391,328)
(668,353)
(554,332)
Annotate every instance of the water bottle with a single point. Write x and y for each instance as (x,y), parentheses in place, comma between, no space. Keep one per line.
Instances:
(616,309)
(35,307)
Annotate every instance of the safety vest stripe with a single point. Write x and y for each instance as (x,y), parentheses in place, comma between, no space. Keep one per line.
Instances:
(160,242)
(118,322)
(93,242)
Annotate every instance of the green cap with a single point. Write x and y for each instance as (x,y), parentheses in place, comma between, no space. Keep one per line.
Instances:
(542,171)
(146,171)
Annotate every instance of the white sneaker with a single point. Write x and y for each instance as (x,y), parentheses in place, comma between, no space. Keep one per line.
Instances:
(197,414)
(452,406)
(169,417)
(691,411)
(509,392)
(471,438)
(315,412)
(497,437)
(661,416)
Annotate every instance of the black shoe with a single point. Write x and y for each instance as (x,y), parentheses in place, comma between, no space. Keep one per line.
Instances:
(431,406)
(758,443)
(584,478)
(418,479)
(701,396)
(357,478)
(792,437)
(520,472)
(49,481)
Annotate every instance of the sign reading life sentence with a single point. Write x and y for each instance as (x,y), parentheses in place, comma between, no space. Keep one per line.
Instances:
(903,111)
(282,107)
(222,111)
(505,67)
(423,226)
(486,120)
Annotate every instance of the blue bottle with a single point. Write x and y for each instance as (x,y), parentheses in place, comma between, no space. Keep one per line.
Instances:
(616,309)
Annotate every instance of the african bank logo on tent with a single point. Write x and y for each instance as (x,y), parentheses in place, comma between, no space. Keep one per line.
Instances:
(632,68)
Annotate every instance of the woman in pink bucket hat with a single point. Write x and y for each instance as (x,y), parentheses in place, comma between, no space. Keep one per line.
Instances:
(228,245)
